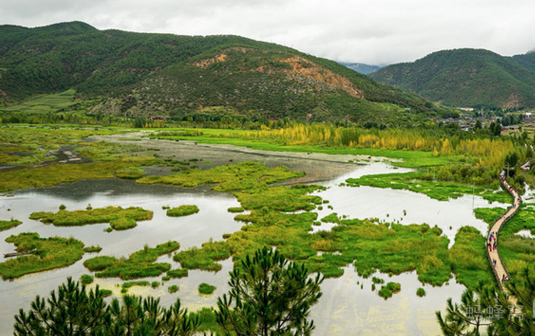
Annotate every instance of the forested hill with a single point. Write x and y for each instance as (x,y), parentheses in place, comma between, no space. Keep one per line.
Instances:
(143,74)
(466,77)
(527,60)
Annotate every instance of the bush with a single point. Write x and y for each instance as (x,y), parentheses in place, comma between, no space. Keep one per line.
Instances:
(172,289)
(206,289)
(420,292)
(86,279)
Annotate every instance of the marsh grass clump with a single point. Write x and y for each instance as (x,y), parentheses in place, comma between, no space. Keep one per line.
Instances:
(172,289)
(140,264)
(105,292)
(183,210)
(178,273)
(235,209)
(119,218)
(388,290)
(204,258)
(87,279)
(155,284)
(129,284)
(6,225)
(378,280)
(123,223)
(420,292)
(206,289)
(130,173)
(48,253)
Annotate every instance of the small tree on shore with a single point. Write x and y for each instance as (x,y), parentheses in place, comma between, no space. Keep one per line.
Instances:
(268,296)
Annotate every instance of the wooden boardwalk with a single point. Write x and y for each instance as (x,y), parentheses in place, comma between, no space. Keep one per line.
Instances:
(495,260)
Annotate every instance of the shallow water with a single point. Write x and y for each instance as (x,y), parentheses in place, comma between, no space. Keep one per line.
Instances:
(400,206)
(525,233)
(345,308)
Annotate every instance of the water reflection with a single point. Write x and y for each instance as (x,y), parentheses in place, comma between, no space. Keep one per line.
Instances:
(346,308)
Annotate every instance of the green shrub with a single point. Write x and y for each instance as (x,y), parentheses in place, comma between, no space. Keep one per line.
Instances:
(377,280)
(420,292)
(384,293)
(394,287)
(172,288)
(87,279)
(106,292)
(206,289)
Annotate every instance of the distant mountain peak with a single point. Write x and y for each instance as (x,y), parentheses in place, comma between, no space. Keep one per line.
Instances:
(362,68)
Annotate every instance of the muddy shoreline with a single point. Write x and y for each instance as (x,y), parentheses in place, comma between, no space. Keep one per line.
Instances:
(317,166)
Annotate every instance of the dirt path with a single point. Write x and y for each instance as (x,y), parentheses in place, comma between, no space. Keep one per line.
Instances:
(492,239)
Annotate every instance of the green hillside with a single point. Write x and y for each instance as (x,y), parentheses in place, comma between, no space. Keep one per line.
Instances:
(526,60)
(140,74)
(464,77)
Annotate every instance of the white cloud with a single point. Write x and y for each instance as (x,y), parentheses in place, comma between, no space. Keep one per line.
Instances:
(378,32)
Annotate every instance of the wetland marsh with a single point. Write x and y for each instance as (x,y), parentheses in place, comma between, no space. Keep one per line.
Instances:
(348,299)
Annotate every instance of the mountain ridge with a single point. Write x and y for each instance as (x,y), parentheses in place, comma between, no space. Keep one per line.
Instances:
(148,73)
(465,77)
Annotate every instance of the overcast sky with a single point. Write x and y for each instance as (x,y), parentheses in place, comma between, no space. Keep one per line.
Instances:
(372,31)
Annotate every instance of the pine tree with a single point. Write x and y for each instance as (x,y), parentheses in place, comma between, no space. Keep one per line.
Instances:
(268,296)
(75,311)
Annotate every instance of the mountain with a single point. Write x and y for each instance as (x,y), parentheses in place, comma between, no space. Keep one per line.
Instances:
(465,77)
(526,60)
(362,68)
(141,74)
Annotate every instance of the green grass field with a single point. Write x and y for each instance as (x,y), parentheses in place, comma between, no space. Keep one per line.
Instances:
(44,104)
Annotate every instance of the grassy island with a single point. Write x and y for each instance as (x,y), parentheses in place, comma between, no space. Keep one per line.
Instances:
(183,210)
(140,264)
(46,254)
(119,218)
(6,225)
